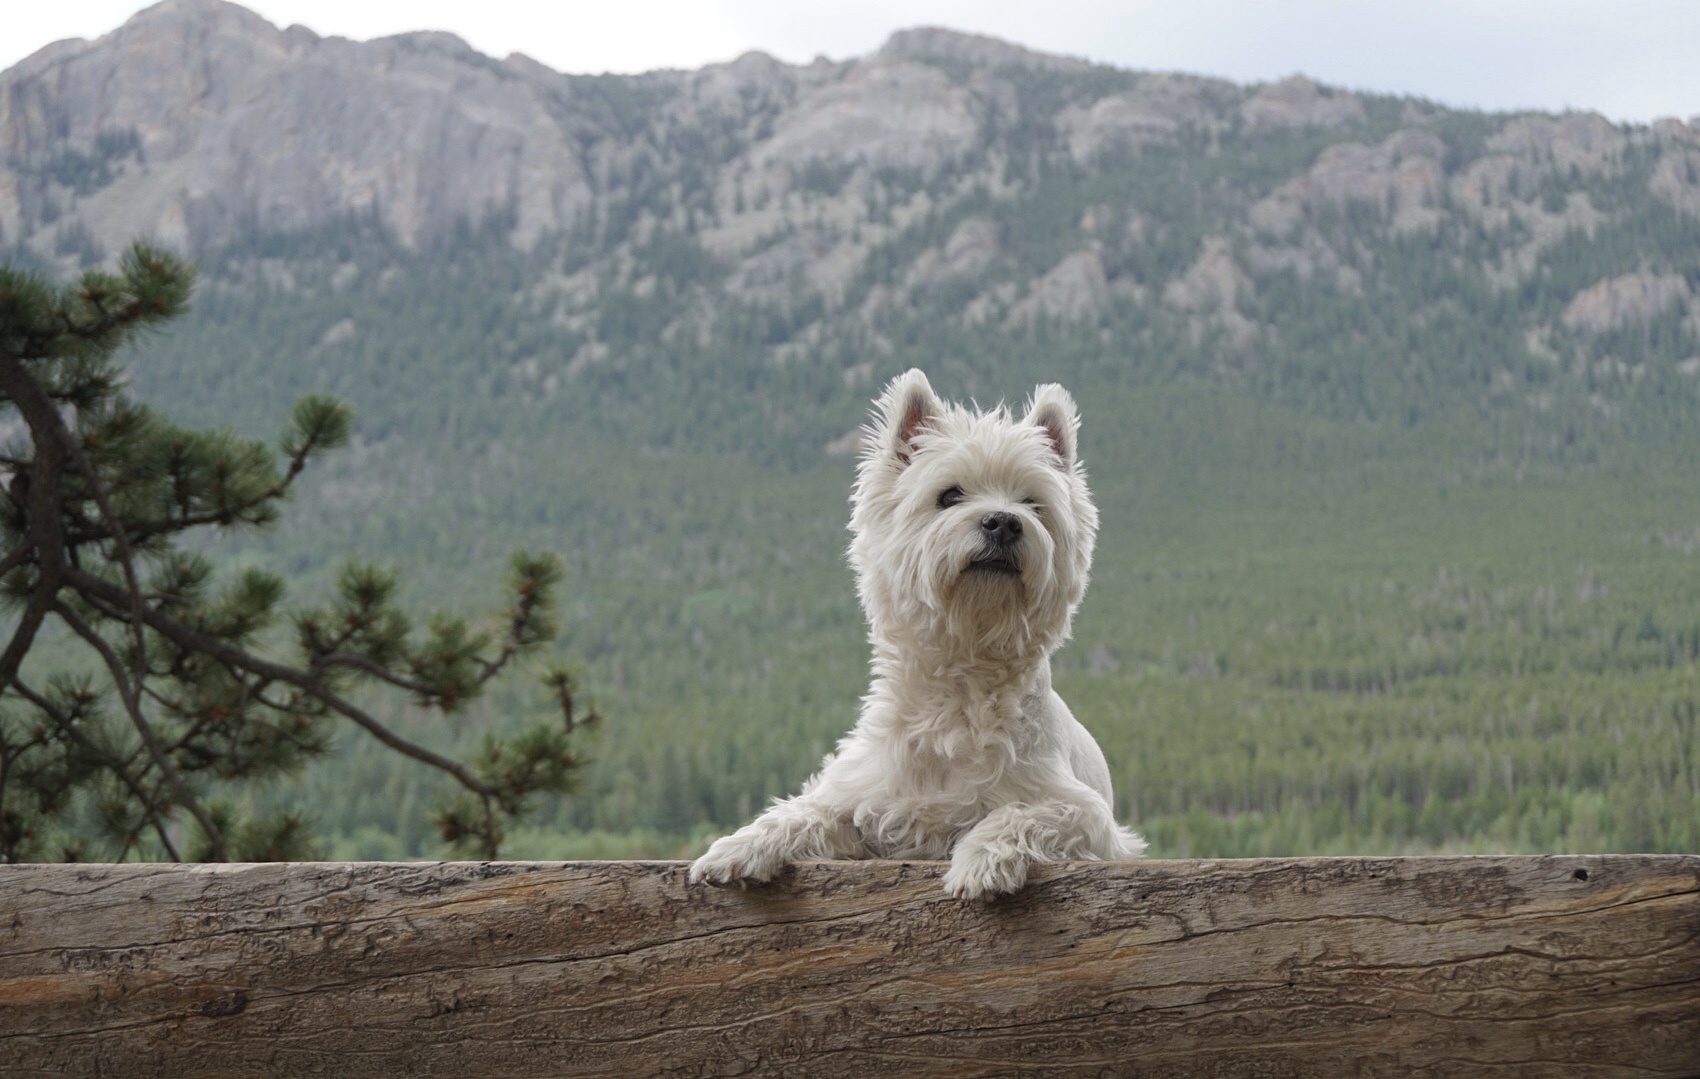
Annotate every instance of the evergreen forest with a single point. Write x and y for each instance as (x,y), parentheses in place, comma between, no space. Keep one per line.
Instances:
(1400,548)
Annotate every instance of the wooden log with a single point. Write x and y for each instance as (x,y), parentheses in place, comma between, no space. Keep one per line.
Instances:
(1572,966)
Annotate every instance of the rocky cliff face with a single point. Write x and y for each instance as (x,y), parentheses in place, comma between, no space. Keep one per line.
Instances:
(199,123)
(197,120)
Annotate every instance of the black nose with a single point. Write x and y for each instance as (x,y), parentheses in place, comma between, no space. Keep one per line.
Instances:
(1001,528)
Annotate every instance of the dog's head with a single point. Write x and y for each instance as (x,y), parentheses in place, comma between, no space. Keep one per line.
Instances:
(973,530)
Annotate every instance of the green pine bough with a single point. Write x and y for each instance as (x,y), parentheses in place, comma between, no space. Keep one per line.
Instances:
(190,689)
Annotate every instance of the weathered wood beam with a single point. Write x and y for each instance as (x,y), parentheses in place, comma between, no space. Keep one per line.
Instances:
(1572,966)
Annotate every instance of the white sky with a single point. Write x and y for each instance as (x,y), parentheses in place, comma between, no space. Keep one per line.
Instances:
(1630,59)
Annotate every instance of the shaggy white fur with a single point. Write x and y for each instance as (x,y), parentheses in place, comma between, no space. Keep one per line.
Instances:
(973,543)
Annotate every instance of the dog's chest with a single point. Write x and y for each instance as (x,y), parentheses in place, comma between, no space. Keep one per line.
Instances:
(948,762)
(965,731)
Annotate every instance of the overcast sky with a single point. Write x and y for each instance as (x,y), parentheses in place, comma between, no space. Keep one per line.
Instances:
(1630,59)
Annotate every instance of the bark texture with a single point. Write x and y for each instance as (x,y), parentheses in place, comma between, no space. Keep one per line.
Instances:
(1572,966)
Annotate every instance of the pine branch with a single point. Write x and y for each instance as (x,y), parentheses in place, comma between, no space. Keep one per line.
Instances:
(132,706)
(126,558)
(46,526)
(534,580)
(29,624)
(102,311)
(320,423)
(193,639)
(115,485)
(145,530)
(15,557)
(120,769)
(378,671)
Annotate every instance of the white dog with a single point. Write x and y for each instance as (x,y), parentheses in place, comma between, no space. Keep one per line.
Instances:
(973,541)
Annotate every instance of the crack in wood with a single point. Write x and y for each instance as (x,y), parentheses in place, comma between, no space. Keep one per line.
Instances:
(1443,965)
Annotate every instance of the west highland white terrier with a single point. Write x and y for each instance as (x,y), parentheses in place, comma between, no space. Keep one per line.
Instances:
(972,544)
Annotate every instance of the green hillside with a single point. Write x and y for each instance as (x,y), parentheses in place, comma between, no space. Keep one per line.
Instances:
(1401,544)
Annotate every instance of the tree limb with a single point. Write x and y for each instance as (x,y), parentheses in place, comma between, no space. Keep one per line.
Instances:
(148,529)
(191,638)
(15,557)
(376,670)
(46,525)
(126,558)
(63,722)
(132,705)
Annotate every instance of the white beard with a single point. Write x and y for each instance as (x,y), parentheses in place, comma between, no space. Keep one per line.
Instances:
(973,544)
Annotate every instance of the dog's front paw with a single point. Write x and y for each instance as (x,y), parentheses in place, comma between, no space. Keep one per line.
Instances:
(739,856)
(976,873)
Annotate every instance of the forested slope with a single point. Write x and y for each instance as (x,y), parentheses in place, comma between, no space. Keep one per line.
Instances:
(1389,408)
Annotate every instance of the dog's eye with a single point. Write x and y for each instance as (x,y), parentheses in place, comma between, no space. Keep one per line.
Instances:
(1030,502)
(949,497)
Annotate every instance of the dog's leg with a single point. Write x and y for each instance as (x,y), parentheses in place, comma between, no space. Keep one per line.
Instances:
(992,857)
(804,828)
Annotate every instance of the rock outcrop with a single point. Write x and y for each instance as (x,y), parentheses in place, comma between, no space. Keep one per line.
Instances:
(1074,289)
(1675,178)
(894,115)
(1400,179)
(1213,283)
(1625,302)
(1213,290)
(197,119)
(1301,102)
(1158,110)
(971,249)
(936,43)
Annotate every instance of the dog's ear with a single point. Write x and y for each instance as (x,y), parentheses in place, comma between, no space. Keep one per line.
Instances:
(907,405)
(1053,410)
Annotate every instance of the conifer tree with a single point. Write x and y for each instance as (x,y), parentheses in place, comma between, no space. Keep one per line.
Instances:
(196,687)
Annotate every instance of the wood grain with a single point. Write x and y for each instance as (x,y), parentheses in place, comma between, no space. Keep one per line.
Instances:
(1573,966)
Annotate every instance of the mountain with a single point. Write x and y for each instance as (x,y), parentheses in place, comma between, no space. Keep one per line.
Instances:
(838,213)
(199,123)
(198,119)
(1390,408)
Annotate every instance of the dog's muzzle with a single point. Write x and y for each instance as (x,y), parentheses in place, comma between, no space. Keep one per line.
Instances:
(1000,536)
